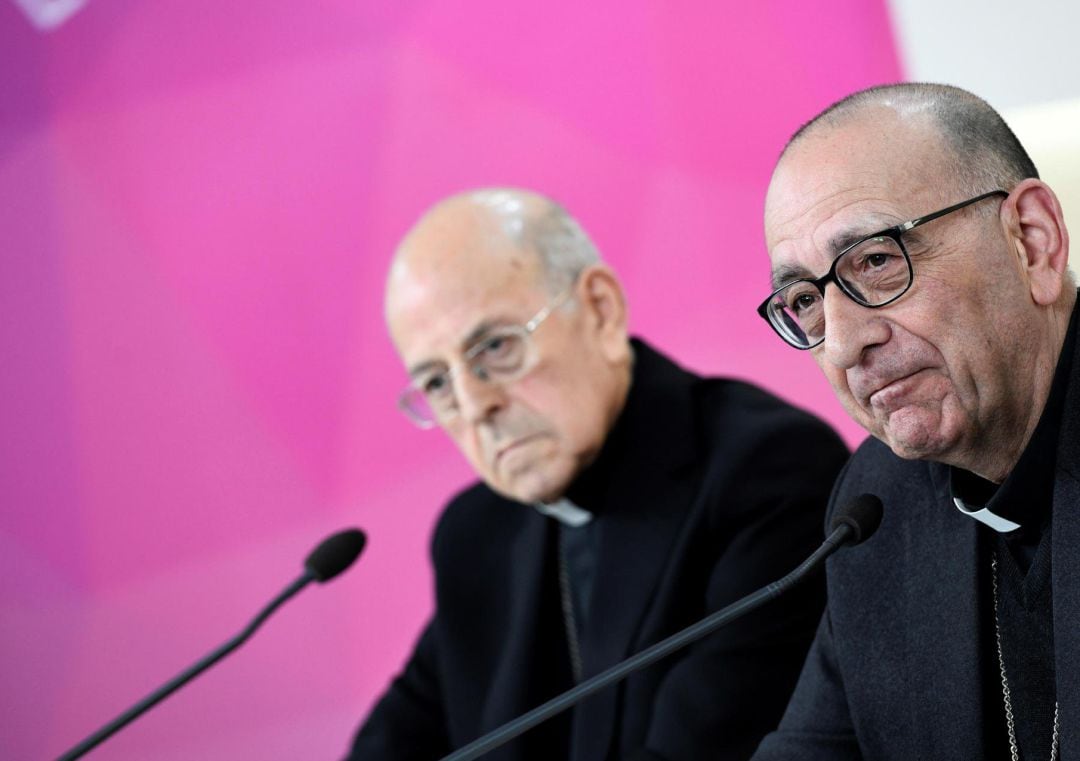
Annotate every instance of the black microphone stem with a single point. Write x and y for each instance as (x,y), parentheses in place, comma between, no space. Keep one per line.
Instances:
(651,654)
(186,676)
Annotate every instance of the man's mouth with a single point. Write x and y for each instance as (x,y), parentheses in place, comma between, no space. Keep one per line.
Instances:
(515,445)
(890,394)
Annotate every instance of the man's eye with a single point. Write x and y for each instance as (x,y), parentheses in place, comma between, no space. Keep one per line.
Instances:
(872,257)
(800,302)
(877,260)
(435,385)
(496,346)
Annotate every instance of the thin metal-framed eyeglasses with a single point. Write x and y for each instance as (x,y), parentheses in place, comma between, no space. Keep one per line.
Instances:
(873,272)
(502,355)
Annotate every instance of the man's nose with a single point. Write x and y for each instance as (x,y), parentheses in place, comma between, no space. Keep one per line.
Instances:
(850,329)
(478,397)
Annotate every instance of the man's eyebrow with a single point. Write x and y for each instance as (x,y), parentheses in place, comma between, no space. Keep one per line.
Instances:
(423,367)
(787,273)
(849,238)
(479,332)
(468,342)
(877,224)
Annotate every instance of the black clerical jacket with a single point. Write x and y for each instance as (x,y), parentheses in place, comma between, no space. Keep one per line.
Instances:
(711,488)
(896,670)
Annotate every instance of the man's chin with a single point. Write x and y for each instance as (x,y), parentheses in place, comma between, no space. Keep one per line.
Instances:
(531,487)
(913,435)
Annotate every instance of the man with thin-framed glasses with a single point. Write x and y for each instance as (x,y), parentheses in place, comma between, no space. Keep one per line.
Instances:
(621,498)
(921,262)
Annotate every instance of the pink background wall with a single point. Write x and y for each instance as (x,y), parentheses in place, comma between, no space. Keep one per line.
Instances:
(197,204)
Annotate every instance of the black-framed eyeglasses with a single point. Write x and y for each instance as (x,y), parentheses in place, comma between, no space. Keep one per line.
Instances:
(872,272)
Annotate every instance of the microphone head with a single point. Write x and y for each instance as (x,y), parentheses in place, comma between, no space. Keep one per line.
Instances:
(862,515)
(335,554)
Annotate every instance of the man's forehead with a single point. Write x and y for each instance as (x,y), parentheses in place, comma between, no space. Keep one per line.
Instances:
(830,190)
(429,277)
(825,213)
(805,246)
(435,313)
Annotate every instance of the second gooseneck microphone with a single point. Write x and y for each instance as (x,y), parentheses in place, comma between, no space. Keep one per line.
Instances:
(331,557)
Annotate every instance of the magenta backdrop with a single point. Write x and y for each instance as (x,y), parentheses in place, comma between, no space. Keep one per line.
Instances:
(197,202)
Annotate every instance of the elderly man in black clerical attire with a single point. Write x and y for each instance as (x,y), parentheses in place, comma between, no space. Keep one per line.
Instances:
(621,498)
(921,261)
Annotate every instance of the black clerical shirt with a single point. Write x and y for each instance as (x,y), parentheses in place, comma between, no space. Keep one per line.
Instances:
(1024,612)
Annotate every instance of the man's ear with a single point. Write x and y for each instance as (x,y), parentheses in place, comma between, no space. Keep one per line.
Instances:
(600,297)
(1036,228)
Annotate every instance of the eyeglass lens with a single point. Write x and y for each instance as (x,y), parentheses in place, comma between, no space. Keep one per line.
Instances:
(872,273)
(501,357)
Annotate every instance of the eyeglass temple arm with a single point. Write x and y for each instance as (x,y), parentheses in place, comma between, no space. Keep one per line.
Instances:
(956,206)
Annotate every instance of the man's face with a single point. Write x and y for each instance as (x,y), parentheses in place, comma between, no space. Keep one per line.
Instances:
(526,439)
(934,374)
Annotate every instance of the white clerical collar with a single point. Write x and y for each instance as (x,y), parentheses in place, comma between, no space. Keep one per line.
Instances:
(565,512)
(983,515)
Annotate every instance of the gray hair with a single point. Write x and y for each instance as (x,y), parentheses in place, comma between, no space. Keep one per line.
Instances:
(540,224)
(985,153)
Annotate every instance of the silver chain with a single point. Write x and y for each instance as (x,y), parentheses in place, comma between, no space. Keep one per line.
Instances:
(1006,694)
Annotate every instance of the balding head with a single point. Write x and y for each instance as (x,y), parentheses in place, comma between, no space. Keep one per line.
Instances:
(980,149)
(498,222)
(489,269)
(936,372)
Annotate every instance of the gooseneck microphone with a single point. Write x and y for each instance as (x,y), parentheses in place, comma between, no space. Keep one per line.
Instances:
(852,523)
(331,557)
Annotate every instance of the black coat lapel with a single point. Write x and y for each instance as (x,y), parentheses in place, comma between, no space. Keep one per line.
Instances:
(942,632)
(644,506)
(514,689)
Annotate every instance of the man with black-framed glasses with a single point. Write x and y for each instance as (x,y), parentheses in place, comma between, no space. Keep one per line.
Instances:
(621,499)
(921,262)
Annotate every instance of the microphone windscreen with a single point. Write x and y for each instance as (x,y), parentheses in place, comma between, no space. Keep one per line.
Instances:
(862,514)
(335,554)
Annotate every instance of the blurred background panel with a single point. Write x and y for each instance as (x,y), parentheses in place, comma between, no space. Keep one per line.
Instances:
(198,201)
